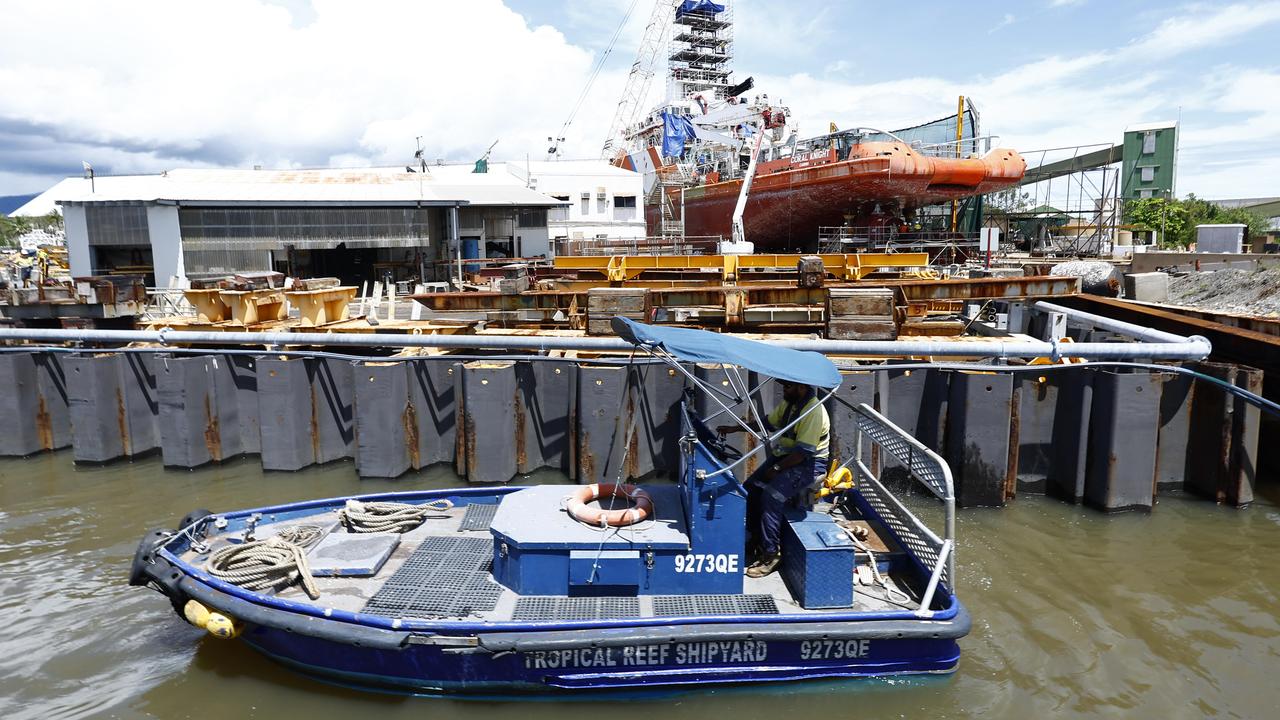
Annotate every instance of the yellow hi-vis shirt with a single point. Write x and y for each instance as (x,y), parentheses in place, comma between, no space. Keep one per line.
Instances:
(812,434)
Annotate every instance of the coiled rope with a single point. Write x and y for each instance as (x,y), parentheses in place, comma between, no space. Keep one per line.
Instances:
(361,517)
(271,564)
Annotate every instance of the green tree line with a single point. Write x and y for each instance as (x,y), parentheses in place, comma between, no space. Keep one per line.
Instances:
(1175,221)
(12,228)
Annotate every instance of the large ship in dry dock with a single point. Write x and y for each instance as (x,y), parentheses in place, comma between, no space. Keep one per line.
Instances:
(832,180)
(713,155)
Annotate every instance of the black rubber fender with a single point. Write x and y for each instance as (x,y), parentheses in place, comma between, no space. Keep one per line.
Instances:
(145,556)
(193,516)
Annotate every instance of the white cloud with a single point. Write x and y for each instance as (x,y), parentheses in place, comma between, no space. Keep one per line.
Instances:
(1203,26)
(1065,3)
(1005,22)
(1089,98)
(144,85)
(238,83)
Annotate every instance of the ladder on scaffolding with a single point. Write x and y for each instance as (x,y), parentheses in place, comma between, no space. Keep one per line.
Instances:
(671,223)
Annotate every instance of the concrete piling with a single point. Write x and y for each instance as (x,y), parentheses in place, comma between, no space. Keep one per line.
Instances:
(1111,439)
(284,414)
(432,400)
(333,427)
(487,439)
(858,388)
(113,406)
(918,404)
(978,438)
(546,399)
(198,411)
(1175,432)
(1221,457)
(239,377)
(385,420)
(1123,433)
(601,422)
(18,405)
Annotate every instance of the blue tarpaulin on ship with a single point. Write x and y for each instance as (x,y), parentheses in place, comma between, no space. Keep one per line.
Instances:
(809,368)
(701,6)
(676,130)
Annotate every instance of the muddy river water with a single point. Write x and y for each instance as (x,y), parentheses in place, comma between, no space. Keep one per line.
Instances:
(1175,614)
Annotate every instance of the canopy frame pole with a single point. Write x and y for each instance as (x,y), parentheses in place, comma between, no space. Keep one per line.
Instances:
(769,439)
(732,371)
(711,391)
(750,394)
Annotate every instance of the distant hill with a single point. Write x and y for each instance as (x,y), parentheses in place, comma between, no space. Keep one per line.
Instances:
(9,203)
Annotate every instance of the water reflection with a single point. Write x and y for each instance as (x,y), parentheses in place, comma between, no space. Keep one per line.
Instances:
(1163,615)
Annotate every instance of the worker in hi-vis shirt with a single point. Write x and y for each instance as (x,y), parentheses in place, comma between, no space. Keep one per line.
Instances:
(799,461)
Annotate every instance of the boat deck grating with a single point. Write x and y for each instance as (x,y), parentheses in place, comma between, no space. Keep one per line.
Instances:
(457,546)
(430,562)
(427,603)
(679,605)
(534,608)
(444,577)
(478,517)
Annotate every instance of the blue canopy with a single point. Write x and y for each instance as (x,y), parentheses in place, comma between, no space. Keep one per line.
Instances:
(676,130)
(809,368)
(693,6)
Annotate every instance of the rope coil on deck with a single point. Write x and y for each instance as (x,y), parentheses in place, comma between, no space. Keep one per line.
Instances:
(271,564)
(370,517)
(304,536)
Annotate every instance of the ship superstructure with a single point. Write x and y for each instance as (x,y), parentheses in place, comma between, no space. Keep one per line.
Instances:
(695,150)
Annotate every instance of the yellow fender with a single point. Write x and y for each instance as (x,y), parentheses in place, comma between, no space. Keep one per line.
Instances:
(219,625)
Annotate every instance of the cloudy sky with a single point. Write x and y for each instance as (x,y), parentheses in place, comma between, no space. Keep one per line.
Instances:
(146,85)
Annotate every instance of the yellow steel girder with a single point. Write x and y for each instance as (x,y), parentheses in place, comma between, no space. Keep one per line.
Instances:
(849,266)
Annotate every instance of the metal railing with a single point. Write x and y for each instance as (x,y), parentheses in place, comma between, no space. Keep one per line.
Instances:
(166,302)
(966,147)
(928,469)
(890,239)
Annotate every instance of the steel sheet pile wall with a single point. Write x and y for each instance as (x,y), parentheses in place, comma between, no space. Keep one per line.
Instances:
(1111,439)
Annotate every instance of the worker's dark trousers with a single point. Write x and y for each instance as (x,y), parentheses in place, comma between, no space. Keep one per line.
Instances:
(767,501)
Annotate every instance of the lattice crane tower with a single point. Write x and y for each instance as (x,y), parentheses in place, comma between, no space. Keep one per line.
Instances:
(642,70)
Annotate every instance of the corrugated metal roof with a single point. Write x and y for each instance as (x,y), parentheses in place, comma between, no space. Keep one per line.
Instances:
(46,202)
(366,186)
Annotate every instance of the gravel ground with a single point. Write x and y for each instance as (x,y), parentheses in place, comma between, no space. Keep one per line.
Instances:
(1247,292)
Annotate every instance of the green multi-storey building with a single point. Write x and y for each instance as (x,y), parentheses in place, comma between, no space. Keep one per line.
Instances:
(1150,164)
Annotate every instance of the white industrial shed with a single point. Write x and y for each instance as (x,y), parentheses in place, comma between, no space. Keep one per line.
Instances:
(352,223)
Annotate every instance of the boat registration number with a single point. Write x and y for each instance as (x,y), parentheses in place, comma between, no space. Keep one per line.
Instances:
(834,649)
(706,563)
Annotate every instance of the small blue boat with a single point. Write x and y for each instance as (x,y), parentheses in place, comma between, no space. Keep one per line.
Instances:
(575,589)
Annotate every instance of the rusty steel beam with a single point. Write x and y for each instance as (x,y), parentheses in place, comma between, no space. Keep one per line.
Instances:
(983,288)
(756,294)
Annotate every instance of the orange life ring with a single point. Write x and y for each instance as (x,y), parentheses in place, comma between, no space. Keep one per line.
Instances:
(577,505)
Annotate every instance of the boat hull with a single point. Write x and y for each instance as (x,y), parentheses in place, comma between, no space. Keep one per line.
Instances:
(557,657)
(787,206)
(581,667)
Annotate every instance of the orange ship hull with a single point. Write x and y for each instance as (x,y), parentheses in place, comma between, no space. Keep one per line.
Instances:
(792,198)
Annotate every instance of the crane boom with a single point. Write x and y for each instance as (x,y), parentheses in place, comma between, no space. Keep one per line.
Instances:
(642,71)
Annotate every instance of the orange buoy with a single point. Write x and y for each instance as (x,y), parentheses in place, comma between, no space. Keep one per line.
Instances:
(577,505)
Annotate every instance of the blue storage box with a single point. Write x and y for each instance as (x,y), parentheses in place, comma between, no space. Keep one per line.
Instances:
(817,562)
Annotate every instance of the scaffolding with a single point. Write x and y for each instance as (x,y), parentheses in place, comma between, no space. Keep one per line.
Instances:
(1068,203)
(700,56)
